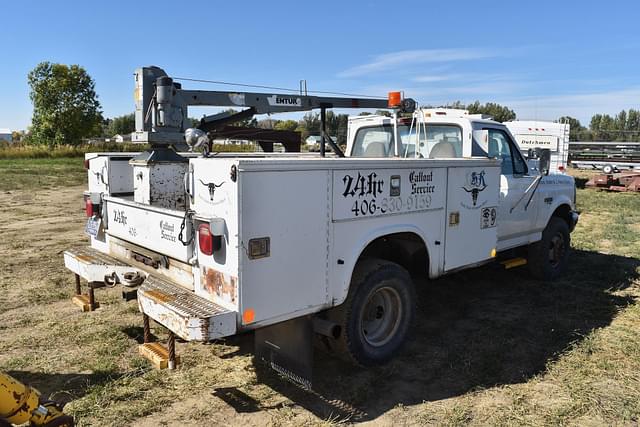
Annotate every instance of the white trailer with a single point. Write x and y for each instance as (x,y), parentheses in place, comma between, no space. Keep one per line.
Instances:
(294,245)
(532,134)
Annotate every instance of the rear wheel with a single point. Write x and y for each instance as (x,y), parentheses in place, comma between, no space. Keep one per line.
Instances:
(376,316)
(607,169)
(549,257)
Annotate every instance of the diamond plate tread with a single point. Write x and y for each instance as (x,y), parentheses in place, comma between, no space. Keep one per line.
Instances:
(89,255)
(179,299)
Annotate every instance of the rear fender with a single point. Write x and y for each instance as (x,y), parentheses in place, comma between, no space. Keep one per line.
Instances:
(341,285)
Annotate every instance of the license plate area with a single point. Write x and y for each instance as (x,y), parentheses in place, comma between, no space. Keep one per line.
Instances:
(92,227)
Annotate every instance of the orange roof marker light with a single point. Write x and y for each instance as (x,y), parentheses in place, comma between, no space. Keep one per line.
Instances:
(394,99)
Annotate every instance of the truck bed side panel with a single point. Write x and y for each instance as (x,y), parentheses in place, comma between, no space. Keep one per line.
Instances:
(371,203)
(291,208)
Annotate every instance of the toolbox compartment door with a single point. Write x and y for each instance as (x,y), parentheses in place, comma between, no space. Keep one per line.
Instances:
(472,215)
(110,174)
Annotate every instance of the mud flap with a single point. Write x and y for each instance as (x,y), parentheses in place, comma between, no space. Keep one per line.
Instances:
(287,348)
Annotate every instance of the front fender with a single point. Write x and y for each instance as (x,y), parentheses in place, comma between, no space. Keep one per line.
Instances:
(556,191)
(558,201)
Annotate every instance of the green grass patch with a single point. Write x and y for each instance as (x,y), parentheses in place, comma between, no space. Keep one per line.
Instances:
(27,151)
(28,174)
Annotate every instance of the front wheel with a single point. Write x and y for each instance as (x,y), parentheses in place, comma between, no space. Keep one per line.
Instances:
(549,257)
(376,316)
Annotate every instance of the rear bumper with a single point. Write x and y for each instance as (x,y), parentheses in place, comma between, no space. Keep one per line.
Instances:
(189,316)
(95,266)
(186,314)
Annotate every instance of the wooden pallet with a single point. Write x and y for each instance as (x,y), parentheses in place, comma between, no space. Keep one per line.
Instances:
(157,354)
(82,301)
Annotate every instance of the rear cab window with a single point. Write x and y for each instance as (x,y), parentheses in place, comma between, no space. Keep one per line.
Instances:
(434,141)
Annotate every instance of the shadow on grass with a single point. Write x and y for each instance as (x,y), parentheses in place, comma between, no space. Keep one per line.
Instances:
(64,388)
(474,330)
(136,333)
(581,182)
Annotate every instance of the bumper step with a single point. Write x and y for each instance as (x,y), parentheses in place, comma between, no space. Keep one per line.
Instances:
(93,265)
(189,316)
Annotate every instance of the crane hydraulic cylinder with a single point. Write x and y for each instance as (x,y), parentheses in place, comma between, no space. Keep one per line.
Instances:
(20,403)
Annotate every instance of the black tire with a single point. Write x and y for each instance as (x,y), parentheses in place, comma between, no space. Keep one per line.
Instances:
(377,314)
(548,258)
(607,169)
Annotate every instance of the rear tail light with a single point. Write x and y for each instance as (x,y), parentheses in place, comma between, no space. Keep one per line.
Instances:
(86,164)
(88,206)
(561,168)
(207,242)
(92,209)
(205,239)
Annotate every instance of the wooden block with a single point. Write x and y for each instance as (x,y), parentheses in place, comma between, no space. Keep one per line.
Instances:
(82,301)
(157,354)
(515,262)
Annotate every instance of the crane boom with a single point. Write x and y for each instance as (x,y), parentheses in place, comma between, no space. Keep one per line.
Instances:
(161,105)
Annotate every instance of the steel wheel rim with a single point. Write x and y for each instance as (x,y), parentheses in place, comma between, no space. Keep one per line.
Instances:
(380,318)
(557,249)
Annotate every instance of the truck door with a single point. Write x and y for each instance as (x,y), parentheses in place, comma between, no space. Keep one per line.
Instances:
(515,221)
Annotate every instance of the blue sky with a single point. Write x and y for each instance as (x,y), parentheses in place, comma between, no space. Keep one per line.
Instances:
(543,59)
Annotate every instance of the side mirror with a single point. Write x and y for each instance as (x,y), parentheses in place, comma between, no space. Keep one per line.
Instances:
(531,154)
(545,161)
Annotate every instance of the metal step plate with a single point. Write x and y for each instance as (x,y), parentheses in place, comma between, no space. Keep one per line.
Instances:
(189,316)
(93,265)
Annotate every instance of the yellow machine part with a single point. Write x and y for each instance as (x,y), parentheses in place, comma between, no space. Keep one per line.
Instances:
(20,403)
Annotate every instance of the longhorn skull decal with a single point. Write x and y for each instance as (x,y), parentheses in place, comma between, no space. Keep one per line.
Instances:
(476,184)
(212,187)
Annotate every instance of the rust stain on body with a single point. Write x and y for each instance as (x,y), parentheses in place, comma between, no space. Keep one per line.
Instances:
(158,296)
(85,258)
(216,283)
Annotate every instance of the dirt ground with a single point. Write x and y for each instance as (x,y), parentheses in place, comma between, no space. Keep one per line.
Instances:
(490,347)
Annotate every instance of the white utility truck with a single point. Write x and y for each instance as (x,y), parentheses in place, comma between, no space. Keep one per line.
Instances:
(532,134)
(297,246)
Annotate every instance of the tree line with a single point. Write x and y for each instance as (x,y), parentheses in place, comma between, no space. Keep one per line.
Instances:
(624,126)
(66,110)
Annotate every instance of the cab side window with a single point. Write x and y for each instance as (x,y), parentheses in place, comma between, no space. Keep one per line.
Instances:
(499,147)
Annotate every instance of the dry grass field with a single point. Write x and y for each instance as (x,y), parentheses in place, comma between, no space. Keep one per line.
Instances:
(490,347)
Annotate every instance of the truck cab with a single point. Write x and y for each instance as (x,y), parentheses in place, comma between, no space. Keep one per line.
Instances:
(527,200)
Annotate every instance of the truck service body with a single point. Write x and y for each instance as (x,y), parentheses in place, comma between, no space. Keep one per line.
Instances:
(292,244)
